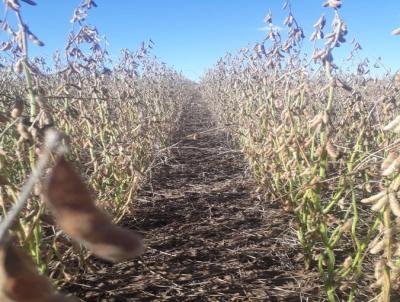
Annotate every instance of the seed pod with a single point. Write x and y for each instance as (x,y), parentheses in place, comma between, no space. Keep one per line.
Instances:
(378,283)
(397,252)
(393,124)
(342,203)
(19,66)
(37,189)
(373,198)
(42,102)
(393,266)
(6,46)
(397,77)
(378,271)
(20,282)
(314,181)
(330,149)
(325,118)
(395,185)
(46,120)
(13,4)
(393,167)
(388,232)
(308,143)
(38,151)
(316,120)
(319,151)
(396,129)
(30,2)
(15,113)
(345,286)
(23,131)
(319,54)
(77,216)
(380,204)
(378,247)
(394,204)
(35,133)
(3,118)
(346,227)
(389,160)
(306,172)
(347,262)
(35,40)
(18,108)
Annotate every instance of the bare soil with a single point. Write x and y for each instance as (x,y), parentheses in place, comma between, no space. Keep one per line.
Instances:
(209,235)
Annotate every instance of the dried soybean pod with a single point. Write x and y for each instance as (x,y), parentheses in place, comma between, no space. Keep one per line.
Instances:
(30,2)
(393,124)
(77,215)
(388,160)
(394,204)
(380,204)
(374,198)
(331,150)
(19,280)
(18,108)
(19,66)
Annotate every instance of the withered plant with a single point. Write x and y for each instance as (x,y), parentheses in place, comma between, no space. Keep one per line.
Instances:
(314,138)
(115,119)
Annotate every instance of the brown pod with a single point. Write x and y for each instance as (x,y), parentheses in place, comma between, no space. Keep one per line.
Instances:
(19,66)
(3,118)
(19,280)
(35,40)
(5,46)
(397,77)
(23,132)
(331,150)
(30,2)
(13,4)
(18,108)
(78,216)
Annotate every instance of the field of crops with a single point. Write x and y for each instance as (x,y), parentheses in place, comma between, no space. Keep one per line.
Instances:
(276,169)
(323,144)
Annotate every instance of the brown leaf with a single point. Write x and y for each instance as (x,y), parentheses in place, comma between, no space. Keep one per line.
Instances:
(19,280)
(77,215)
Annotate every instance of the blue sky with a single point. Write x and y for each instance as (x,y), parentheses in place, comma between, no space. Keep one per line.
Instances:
(191,35)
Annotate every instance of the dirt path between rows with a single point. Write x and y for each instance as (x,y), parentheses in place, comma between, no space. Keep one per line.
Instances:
(210,237)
